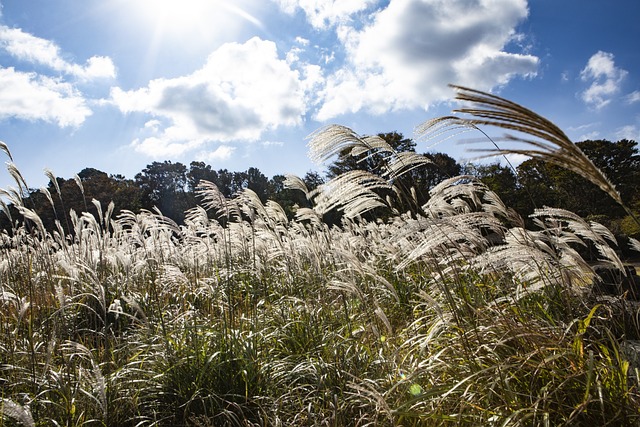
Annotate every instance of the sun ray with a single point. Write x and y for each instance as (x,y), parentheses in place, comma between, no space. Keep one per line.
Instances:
(173,17)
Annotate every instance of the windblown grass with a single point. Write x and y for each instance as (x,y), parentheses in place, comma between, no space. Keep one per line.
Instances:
(454,314)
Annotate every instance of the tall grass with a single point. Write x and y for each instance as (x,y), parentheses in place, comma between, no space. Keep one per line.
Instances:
(452,314)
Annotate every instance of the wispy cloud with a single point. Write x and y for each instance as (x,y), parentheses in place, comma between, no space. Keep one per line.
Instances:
(589,136)
(629,132)
(242,91)
(325,13)
(633,97)
(27,47)
(605,79)
(412,49)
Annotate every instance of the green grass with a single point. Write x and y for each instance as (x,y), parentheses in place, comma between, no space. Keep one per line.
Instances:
(315,326)
(452,316)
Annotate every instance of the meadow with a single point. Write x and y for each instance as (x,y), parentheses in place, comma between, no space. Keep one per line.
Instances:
(450,313)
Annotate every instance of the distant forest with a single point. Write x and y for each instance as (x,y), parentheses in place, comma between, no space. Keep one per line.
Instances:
(171,187)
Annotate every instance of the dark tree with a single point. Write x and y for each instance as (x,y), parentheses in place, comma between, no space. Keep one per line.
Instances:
(500,179)
(200,171)
(225,182)
(257,182)
(163,186)
(544,184)
(369,161)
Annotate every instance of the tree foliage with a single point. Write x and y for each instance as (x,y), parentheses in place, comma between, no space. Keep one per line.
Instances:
(171,187)
(550,185)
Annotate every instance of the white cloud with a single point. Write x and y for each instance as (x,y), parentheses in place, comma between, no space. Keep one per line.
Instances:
(223,152)
(161,148)
(28,96)
(605,79)
(325,13)
(588,131)
(633,97)
(515,159)
(97,67)
(629,132)
(27,47)
(583,127)
(272,143)
(590,136)
(241,91)
(414,48)
(33,96)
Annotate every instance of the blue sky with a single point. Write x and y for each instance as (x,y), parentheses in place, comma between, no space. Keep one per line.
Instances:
(118,84)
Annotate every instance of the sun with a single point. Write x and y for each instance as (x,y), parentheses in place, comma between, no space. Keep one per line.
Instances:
(174,16)
(180,17)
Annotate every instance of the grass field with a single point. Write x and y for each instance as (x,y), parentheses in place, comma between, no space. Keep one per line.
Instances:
(458,315)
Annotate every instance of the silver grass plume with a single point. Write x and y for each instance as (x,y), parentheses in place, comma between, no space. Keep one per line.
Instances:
(294,182)
(33,216)
(17,176)
(6,210)
(47,193)
(356,188)
(98,206)
(547,142)
(252,205)
(403,162)
(197,217)
(570,228)
(16,412)
(49,174)
(78,181)
(213,199)
(107,215)
(13,195)
(335,139)
(4,147)
(332,140)
(308,214)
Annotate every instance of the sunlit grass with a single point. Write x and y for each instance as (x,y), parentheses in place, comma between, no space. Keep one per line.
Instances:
(452,315)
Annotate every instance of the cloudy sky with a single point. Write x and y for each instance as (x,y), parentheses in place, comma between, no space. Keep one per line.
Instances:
(118,84)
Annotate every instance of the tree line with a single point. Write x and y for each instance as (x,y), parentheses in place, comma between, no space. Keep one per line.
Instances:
(171,187)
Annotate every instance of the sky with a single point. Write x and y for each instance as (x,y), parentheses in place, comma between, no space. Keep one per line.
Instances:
(118,84)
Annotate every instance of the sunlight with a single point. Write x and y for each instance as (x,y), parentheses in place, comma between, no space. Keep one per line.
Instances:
(173,14)
(176,17)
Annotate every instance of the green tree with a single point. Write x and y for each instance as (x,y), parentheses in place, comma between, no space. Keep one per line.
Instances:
(199,171)
(371,161)
(109,188)
(257,182)
(163,185)
(544,184)
(500,179)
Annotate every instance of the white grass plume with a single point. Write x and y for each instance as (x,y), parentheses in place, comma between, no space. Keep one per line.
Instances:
(49,174)
(351,192)
(17,176)
(332,140)
(213,199)
(17,412)
(294,182)
(13,195)
(4,147)
(78,181)
(546,141)
(6,210)
(403,162)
